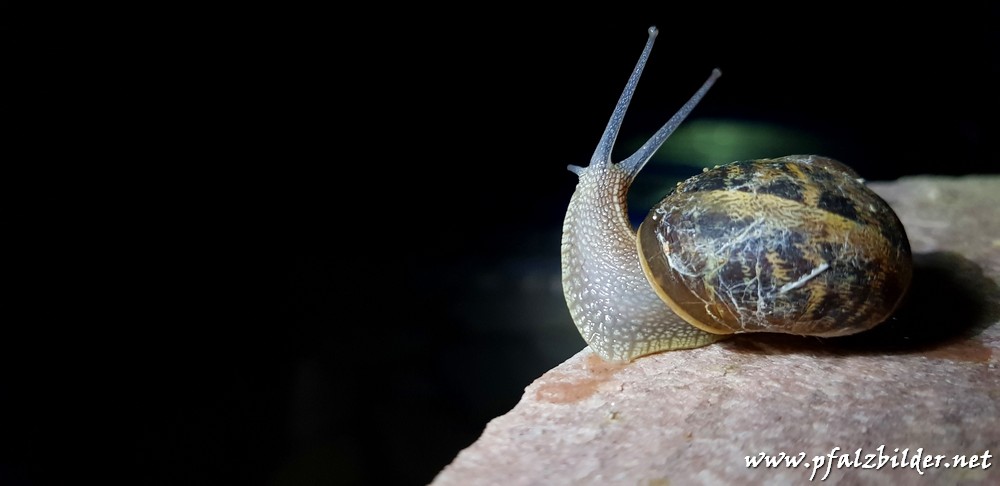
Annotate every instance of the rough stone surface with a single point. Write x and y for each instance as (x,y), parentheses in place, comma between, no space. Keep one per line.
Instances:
(927,379)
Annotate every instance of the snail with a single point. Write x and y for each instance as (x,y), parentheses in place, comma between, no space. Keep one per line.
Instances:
(795,244)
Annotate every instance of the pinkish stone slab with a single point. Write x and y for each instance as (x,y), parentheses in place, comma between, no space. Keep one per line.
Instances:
(928,379)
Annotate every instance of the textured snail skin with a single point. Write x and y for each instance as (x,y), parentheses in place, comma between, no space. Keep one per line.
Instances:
(613,305)
(796,245)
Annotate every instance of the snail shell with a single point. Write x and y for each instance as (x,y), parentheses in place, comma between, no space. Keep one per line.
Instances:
(795,244)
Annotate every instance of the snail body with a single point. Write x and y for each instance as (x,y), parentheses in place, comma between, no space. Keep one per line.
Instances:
(795,244)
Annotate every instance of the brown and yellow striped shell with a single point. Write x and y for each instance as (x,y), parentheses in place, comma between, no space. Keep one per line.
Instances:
(796,244)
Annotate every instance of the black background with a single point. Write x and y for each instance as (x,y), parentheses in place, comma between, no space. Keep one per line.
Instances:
(331,255)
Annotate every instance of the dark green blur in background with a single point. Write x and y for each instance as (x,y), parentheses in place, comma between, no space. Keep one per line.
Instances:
(336,255)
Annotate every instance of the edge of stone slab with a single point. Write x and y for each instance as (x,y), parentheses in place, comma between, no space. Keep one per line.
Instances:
(549,385)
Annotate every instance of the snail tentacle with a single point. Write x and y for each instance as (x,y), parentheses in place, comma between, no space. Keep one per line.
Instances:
(638,160)
(602,155)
